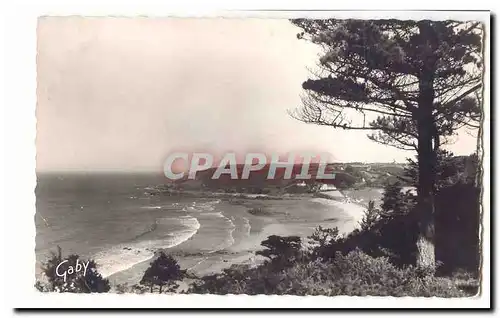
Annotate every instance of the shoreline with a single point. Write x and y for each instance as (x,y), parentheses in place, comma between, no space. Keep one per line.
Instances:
(257,216)
(353,211)
(350,220)
(341,212)
(344,214)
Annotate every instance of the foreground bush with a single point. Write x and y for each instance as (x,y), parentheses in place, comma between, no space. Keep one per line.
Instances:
(384,232)
(90,281)
(354,274)
(131,288)
(391,230)
(458,219)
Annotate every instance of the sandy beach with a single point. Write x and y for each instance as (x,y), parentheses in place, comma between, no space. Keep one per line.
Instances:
(294,216)
(352,213)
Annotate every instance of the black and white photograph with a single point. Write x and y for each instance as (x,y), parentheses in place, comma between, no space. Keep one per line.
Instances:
(331,156)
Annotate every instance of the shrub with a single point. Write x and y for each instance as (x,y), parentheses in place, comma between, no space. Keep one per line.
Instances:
(320,240)
(238,279)
(358,274)
(282,251)
(323,236)
(392,237)
(74,282)
(135,288)
(353,274)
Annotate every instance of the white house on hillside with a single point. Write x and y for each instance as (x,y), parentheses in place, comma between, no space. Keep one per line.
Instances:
(327,187)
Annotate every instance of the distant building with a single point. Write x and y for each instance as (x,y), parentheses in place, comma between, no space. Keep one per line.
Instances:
(327,187)
(331,191)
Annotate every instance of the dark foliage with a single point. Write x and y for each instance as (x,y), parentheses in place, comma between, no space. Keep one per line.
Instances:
(391,231)
(354,274)
(321,240)
(457,211)
(371,217)
(282,251)
(91,282)
(163,272)
(450,170)
(395,201)
(135,288)
(392,237)
(458,228)
(386,69)
(344,180)
(412,83)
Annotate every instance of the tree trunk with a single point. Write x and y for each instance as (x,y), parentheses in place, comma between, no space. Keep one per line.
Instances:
(426,177)
(426,155)
(161,286)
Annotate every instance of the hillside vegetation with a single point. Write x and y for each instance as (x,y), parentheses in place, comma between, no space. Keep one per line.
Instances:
(347,176)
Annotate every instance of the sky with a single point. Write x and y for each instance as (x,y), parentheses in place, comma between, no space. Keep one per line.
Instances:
(121,94)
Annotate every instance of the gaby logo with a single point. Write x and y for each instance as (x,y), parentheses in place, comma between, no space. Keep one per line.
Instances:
(70,269)
(228,165)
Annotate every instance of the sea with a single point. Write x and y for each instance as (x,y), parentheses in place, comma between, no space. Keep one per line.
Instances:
(114,219)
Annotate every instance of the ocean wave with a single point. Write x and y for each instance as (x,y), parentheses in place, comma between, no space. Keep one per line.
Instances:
(123,256)
(197,207)
(208,206)
(190,221)
(157,207)
(216,214)
(214,202)
(120,258)
(247,226)
(229,241)
(152,207)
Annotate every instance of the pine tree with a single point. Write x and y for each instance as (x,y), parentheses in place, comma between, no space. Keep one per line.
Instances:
(163,271)
(414,83)
(371,217)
